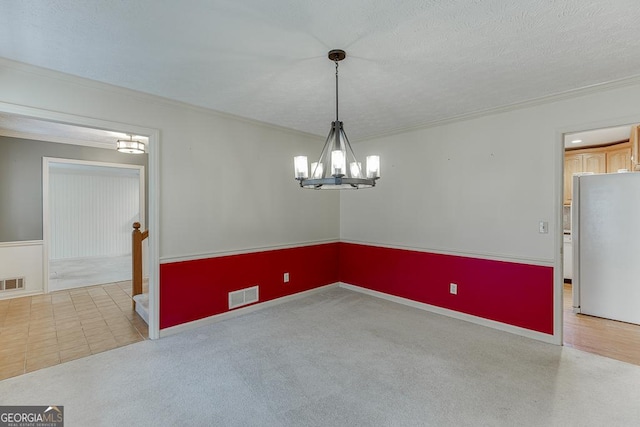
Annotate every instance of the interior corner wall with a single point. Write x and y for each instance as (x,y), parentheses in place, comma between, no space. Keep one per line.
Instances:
(474,192)
(226,184)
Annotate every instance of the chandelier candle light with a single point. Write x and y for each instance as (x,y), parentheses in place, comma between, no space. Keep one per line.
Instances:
(331,171)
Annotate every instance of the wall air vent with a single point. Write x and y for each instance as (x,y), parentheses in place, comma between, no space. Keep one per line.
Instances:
(243,297)
(12,284)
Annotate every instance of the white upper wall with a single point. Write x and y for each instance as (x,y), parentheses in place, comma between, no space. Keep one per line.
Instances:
(226,184)
(479,187)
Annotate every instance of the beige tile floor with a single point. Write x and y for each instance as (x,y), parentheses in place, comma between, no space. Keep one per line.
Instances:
(44,330)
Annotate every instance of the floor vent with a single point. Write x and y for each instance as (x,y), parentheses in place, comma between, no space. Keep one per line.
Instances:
(12,284)
(243,297)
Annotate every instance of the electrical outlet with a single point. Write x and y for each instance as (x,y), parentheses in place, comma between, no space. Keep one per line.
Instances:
(453,288)
(286,278)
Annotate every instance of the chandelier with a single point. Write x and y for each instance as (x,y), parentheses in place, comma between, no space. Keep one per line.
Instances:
(331,171)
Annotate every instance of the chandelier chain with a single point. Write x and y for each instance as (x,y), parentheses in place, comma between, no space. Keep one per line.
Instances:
(336,90)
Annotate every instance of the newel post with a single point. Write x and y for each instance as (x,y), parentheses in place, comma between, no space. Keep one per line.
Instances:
(136,256)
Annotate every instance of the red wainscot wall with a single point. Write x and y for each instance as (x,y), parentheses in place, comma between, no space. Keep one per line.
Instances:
(192,290)
(512,293)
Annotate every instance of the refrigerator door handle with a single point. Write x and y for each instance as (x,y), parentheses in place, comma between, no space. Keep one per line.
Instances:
(575,247)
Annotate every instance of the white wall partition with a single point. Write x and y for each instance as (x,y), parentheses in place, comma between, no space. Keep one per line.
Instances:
(91,210)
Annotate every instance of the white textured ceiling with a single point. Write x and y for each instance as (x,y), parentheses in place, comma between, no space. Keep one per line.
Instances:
(410,62)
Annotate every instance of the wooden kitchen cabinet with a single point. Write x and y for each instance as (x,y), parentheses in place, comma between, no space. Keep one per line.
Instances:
(572,165)
(607,159)
(594,162)
(581,161)
(634,140)
(619,159)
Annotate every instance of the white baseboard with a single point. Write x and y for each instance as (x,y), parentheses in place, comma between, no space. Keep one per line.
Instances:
(455,314)
(240,311)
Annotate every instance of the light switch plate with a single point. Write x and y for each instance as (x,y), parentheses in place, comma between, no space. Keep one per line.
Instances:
(543,227)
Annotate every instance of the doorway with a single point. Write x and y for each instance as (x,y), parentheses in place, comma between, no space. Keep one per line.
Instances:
(606,150)
(90,208)
(45,118)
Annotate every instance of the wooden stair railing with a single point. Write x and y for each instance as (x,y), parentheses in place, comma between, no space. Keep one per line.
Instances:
(136,249)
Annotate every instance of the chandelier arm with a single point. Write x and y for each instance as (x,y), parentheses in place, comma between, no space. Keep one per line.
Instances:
(348,145)
(324,151)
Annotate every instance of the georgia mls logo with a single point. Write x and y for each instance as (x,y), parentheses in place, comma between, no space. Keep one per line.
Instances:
(32,416)
(57,412)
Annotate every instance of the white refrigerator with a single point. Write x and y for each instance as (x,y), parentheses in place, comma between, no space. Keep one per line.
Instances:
(605,228)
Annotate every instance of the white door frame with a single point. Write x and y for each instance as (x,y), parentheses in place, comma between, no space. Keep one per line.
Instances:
(46,214)
(558,291)
(153,189)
